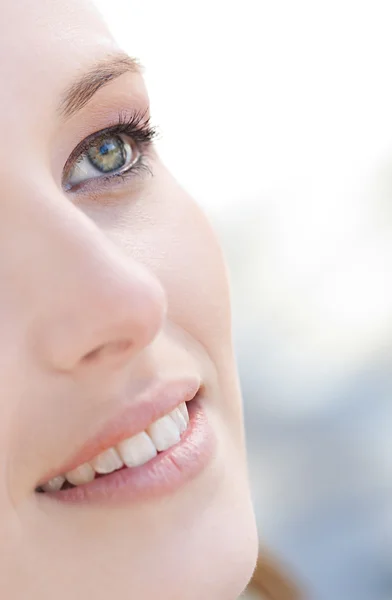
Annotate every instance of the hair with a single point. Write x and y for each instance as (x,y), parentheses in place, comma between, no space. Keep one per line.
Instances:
(271,581)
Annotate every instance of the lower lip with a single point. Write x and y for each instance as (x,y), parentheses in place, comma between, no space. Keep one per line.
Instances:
(162,475)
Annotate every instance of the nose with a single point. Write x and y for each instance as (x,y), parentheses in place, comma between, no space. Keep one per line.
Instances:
(91,306)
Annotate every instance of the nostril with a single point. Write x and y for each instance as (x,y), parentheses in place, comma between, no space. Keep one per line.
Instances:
(115,349)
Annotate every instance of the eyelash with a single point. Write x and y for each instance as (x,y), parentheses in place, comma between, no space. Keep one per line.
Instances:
(135,126)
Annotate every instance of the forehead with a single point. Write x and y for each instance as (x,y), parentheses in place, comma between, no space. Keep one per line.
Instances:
(44,43)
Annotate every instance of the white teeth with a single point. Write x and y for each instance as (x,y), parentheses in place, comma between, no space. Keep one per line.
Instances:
(164,433)
(107,462)
(54,484)
(137,450)
(80,475)
(184,411)
(179,419)
(133,452)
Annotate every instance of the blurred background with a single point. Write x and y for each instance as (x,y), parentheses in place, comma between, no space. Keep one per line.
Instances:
(277,117)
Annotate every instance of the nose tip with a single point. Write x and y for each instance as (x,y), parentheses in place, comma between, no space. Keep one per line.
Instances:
(130,330)
(107,321)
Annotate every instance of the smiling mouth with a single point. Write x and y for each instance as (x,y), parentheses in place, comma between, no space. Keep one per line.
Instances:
(157,443)
(135,451)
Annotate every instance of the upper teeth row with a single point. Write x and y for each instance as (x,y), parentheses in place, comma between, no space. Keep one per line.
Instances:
(134,451)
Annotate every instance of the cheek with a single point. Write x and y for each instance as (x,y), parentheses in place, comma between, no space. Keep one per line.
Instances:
(166,230)
(194,275)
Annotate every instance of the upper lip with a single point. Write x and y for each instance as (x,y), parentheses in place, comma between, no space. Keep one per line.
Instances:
(155,401)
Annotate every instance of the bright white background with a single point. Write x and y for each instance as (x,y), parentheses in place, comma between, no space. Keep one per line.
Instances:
(277,116)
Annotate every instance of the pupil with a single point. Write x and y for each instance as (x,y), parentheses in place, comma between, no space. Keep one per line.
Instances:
(105,148)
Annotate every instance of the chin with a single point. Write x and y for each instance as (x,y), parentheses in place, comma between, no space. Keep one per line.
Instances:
(217,548)
(222,558)
(231,562)
(213,557)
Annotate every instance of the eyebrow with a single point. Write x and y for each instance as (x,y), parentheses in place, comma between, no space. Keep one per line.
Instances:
(80,92)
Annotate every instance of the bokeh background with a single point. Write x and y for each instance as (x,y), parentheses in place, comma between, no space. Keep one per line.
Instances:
(277,116)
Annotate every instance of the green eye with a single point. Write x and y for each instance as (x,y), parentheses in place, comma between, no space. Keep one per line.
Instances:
(106,155)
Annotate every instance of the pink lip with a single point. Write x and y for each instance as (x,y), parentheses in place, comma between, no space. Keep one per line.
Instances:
(163,473)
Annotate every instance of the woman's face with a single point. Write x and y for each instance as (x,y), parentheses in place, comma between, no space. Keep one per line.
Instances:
(114,311)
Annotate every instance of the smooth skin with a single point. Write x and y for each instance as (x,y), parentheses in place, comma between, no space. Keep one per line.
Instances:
(83,272)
